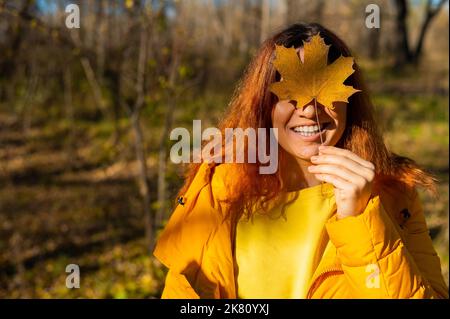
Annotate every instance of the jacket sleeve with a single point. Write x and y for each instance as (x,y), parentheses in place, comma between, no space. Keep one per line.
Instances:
(183,244)
(382,259)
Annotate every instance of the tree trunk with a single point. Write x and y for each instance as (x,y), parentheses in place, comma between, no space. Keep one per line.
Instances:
(265,20)
(69,115)
(144,188)
(292,11)
(27,107)
(318,10)
(162,154)
(90,75)
(403,54)
(93,83)
(374,43)
(162,161)
(430,14)
(68,107)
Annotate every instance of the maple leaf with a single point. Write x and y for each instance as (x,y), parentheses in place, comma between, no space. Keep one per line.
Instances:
(314,78)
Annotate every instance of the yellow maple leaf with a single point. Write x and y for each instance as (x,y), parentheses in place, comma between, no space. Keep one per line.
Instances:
(314,78)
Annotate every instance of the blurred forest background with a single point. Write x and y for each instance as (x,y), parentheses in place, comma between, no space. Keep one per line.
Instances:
(85,116)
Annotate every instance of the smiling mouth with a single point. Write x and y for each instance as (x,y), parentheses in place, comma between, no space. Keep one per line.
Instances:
(309,130)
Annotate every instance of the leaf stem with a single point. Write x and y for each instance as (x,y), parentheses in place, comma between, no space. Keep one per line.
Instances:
(320,134)
(317,119)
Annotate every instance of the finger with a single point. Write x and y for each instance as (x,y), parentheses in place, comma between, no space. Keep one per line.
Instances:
(336,181)
(338,171)
(343,152)
(345,162)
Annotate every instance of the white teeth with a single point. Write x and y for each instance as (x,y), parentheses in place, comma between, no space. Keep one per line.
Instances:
(307,130)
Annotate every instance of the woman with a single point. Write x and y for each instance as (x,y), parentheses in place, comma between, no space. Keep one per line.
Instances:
(340,218)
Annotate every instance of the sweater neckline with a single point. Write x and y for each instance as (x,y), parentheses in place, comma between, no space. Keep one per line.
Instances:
(323,189)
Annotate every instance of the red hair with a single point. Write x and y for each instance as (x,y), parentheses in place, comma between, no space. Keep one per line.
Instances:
(251,106)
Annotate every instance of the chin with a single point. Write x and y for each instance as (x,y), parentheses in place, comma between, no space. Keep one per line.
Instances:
(305,152)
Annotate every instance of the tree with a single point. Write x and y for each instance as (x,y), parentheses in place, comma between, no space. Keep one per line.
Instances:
(134,112)
(405,53)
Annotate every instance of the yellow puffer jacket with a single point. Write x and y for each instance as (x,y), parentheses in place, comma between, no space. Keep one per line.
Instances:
(386,252)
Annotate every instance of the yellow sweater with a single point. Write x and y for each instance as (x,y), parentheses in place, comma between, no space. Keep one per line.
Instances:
(277,255)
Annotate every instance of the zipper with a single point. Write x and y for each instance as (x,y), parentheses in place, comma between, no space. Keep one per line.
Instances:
(327,273)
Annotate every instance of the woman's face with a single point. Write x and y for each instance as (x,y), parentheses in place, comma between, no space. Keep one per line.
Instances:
(298,132)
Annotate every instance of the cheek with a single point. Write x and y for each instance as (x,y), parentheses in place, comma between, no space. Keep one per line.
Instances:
(339,116)
(280,115)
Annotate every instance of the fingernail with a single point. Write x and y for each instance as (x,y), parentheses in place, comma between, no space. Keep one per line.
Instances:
(314,158)
(321,147)
(310,167)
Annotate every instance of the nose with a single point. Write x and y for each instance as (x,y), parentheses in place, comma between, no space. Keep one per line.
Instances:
(308,110)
